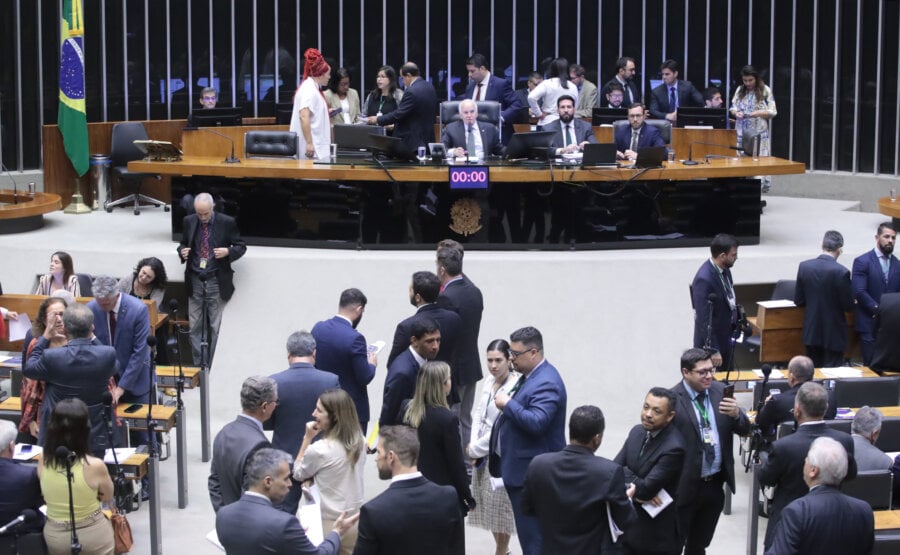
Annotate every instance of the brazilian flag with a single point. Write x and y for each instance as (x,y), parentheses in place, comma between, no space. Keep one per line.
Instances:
(72,114)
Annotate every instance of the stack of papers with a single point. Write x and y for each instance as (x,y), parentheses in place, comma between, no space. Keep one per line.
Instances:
(121,452)
(842,372)
(780,303)
(775,375)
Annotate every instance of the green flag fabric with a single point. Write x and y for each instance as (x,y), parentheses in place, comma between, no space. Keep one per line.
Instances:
(72,113)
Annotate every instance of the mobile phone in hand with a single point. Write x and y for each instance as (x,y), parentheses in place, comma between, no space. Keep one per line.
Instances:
(729,391)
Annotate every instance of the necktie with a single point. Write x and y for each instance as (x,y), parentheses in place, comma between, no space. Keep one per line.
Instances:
(477,92)
(112,328)
(673,100)
(568,134)
(729,289)
(885,267)
(644,445)
(204,240)
(635,135)
(470,141)
(709,451)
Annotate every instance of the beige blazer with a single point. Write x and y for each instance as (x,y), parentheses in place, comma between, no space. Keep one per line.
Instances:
(334,101)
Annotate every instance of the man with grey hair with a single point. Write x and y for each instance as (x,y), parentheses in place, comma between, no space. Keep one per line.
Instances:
(823,287)
(784,466)
(780,407)
(18,482)
(299,388)
(865,429)
(210,242)
(824,520)
(253,524)
(239,439)
(469,137)
(82,369)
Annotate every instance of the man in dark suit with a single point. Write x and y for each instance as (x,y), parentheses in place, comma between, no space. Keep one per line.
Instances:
(672,94)
(570,491)
(413,120)
(413,515)
(624,77)
(780,408)
(460,295)
(714,303)
(239,439)
(874,273)
(299,388)
(423,294)
(532,421)
(468,137)
(252,524)
(534,79)
(706,420)
(823,287)
(210,242)
(80,369)
(637,135)
(825,520)
(652,457)
(485,86)
(571,133)
(342,350)
(19,484)
(400,382)
(784,466)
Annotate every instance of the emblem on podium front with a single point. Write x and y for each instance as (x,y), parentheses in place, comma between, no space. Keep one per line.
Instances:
(466,216)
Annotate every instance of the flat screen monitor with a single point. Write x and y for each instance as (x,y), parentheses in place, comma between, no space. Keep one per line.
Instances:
(529,145)
(606,116)
(689,116)
(284,111)
(348,136)
(216,117)
(391,147)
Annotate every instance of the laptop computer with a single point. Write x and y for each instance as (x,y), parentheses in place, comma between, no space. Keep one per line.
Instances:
(650,157)
(599,155)
(355,140)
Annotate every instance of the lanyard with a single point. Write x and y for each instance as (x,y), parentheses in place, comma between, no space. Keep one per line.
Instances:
(703,414)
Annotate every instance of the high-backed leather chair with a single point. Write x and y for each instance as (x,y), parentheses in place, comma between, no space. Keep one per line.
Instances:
(664,127)
(875,392)
(488,111)
(270,144)
(123,151)
(872,486)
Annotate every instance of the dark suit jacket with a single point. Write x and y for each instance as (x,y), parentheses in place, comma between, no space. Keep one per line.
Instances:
(21,490)
(464,298)
(650,136)
(823,287)
(868,286)
(449,322)
(784,467)
(412,517)
(223,233)
(132,352)
(343,350)
(583,132)
(635,96)
(532,423)
(399,385)
(781,409)
(454,135)
(687,96)
(233,445)
(500,91)
(825,521)
(252,525)
(659,467)
(707,281)
(81,369)
(299,388)
(440,453)
(568,491)
(415,115)
(686,422)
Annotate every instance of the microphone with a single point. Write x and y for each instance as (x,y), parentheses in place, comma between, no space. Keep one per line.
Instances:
(712,297)
(691,162)
(173,307)
(28,515)
(63,452)
(106,399)
(15,187)
(228,160)
(766,371)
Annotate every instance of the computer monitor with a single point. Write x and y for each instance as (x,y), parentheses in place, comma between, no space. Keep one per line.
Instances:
(284,111)
(529,145)
(606,116)
(348,136)
(391,147)
(216,117)
(690,116)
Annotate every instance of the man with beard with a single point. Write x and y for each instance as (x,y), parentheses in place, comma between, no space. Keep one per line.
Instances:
(874,274)
(712,297)
(423,294)
(637,135)
(342,350)
(624,77)
(571,134)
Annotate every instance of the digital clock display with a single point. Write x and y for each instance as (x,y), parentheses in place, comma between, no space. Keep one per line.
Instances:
(469,177)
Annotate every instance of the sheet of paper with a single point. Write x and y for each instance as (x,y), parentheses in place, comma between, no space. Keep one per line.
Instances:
(121,452)
(655,510)
(19,327)
(310,515)
(213,538)
(842,372)
(778,303)
(775,375)
(614,530)
(376,347)
(26,452)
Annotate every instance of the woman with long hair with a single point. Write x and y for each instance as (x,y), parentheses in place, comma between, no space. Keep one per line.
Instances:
(69,429)
(440,454)
(343,102)
(752,107)
(493,511)
(309,119)
(148,281)
(542,99)
(61,276)
(385,97)
(49,314)
(335,462)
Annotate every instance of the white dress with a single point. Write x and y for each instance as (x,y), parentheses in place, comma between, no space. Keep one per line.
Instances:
(544,96)
(309,96)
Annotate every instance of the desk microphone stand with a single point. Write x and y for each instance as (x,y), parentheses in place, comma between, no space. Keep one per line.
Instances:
(121,496)
(153,459)
(63,452)
(204,358)
(175,355)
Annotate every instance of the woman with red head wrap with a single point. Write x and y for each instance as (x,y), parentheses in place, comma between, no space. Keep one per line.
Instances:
(310,115)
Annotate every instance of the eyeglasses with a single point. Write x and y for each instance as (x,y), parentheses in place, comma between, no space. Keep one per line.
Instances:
(702,373)
(514,354)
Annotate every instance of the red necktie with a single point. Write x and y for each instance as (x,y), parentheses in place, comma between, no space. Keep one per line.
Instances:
(204,241)
(478,92)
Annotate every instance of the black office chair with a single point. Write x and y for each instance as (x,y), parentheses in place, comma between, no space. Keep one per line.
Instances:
(886,544)
(875,392)
(86,285)
(872,486)
(787,428)
(889,438)
(122,152)
(664,127)
(488,111)
(886,354)
(270,144)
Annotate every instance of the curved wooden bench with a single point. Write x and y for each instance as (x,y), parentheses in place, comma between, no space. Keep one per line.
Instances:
(24,212)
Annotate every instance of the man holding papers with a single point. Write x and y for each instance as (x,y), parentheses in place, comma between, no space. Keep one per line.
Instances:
(652,457)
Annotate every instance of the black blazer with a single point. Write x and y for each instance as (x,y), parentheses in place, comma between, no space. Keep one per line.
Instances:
(415,115)
(707,281)
(399,385)
(823,287)
(629,86)
(21,490)
(501,91)
(659,467)
(583,132)
(781,409)
(868,286)
(447,320)
(454,135)
(440,453)
(412,517)
(568,491)
(464,298)
(650,136)
(224,233)
(233,445)
(299,388)
(688,95)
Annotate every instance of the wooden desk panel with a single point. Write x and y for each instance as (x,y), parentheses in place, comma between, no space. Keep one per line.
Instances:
(164,416)
(198,142)
(166,376)
(750,376)
(781,332)
(887,520)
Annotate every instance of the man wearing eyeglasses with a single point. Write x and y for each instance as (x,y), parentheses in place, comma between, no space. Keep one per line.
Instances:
(532,421)
(707,419)
(208,98)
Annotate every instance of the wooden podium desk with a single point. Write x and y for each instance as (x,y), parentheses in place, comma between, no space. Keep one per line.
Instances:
(743,378)
(780,330)
(167,376)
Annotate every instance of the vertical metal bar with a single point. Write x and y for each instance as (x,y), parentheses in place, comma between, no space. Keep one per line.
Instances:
(835,58)
(772,123)
(856,88)
(20,156)
(556,30)
(665,26)
(276,51)
(40,57)
(749,30)
(449,44)
(405,30)
(599,50)
(103,85)
(254,78)
(577,32)
(147,58)
(340,33)
(234,103)
(514,38)
(169,61)
(297,56)
(687,4)
(813,82)
(727,48)
(622,31)
(383,32)
(189,17)
(534,33)
(427,73)
(493,34)
(897,120)
(125,59)
(876,167)
(318,24)
(362,49)
(471,25)
(644,41)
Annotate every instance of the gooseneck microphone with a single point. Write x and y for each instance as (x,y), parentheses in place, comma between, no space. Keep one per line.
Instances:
(173,308)
(229,159)
(710,299)
(766,372)
(28,515)
(11,178)
(691,162)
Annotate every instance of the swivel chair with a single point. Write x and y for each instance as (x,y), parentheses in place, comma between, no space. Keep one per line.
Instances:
(123,151)
(488,112)
(663,126)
